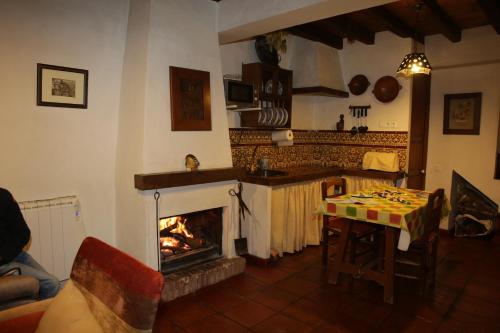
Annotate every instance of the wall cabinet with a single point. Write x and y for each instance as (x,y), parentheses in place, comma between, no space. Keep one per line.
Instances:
(275,93)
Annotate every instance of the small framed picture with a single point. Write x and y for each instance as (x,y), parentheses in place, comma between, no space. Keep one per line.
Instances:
(462,113)
(190,99)
(61,86)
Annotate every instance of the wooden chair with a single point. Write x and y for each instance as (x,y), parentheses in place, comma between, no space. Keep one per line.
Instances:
(331,188)
(419,262)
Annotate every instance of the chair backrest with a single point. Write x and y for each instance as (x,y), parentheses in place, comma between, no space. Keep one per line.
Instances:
(433,211)
(333,187)
(122,293)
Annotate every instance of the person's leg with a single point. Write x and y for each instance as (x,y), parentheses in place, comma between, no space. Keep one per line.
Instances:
(49,284)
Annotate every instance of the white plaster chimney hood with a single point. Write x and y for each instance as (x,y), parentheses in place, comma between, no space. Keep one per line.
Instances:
(316,69)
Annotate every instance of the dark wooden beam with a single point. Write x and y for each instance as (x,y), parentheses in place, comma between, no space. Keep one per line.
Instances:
(395,24)
(309,32)
(152,181)
(345,27)
(492,10)
(448,27)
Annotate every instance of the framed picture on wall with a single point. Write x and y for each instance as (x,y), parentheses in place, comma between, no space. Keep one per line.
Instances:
(462,113)
(62,86)
(190,99)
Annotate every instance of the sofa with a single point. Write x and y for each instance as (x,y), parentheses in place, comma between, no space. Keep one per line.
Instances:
(108,291)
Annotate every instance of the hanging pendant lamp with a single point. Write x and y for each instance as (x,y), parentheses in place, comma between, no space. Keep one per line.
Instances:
(415,62)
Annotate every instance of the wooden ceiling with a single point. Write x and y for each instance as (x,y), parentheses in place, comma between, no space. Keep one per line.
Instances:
(446,17)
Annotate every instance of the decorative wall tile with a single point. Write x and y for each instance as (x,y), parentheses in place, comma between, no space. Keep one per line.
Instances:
(314,148)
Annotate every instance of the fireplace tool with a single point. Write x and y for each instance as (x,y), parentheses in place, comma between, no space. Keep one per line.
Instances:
(240,244)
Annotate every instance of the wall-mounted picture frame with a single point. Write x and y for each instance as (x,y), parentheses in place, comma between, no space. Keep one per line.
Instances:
(462,113)
(190,99)
(62,86)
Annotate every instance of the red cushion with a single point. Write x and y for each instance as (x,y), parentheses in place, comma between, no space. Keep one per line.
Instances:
(24,324)
(358,229)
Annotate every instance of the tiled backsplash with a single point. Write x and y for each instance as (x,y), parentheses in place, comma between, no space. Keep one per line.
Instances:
(314,148)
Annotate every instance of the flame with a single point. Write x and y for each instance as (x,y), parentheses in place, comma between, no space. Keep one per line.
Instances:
(169,241)
(181,227)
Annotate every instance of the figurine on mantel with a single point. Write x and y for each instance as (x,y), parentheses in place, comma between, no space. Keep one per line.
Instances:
(340,123)
(192,162)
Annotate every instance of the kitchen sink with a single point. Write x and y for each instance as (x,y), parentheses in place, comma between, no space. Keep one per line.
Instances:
(266,173)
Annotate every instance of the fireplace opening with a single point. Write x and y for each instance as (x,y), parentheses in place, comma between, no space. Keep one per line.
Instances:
(190,239)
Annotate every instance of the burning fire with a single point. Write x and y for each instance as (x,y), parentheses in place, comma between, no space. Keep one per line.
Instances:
(169,242)
(179,223)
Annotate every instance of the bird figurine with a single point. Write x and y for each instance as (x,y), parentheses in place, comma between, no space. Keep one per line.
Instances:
(192,162)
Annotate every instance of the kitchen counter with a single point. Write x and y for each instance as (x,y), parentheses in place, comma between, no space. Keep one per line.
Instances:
(297,175)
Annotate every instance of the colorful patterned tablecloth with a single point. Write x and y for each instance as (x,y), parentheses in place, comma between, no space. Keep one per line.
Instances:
(390,206)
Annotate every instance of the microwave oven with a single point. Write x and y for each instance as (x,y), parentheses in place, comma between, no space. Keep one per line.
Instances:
(240,95)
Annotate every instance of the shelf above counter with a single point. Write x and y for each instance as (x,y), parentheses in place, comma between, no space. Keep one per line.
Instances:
(320,91)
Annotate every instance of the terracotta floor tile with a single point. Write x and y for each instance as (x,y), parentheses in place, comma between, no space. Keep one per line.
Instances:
(244,284)
(274,298)
(166,326)
(281,324)
(220,300)
(314,274)
(249,313)
(398,322)
(215,324)
(265,274)
(478,307)
(466,298)
(343,324)
(186,313)
(297,285)
(306,311)
(459,327)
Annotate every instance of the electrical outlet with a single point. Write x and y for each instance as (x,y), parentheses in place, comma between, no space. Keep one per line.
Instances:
(393,124)
(388,124)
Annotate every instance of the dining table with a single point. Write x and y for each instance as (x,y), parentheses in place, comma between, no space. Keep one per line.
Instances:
(400,211)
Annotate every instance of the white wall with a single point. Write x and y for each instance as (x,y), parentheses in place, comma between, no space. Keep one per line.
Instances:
(318,112)
(166,33)
(373,61)
(473,156)
(182,34)
(49,151)
(130,147)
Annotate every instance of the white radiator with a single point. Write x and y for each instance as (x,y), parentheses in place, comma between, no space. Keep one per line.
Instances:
(56,232)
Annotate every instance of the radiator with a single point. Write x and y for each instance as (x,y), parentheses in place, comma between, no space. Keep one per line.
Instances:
(56,232)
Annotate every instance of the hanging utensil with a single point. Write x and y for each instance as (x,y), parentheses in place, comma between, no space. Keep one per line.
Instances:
(240,244)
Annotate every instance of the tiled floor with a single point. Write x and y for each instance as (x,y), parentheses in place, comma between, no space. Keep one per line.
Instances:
(294,296)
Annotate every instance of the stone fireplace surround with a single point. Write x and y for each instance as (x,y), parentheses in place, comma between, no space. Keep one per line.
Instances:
(186,199)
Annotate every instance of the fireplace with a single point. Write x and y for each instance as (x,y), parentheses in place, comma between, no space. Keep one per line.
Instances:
(190,239)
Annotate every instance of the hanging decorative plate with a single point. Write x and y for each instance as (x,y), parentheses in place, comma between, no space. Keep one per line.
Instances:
(386,89)
(358,84)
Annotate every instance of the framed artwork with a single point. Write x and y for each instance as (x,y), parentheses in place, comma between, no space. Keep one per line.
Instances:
(190,99)
(462,113)
(62,86)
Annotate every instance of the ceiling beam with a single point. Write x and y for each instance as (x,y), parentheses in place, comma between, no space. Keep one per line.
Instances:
(492,10)
(448,27)
(309,32)
(395,24)
(346,27)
